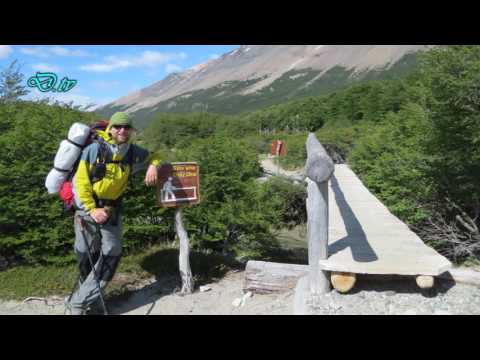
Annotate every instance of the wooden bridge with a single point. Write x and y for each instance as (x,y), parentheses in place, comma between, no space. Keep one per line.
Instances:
(363,237)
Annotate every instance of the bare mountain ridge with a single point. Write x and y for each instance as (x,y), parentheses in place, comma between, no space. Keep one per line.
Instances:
(264,64)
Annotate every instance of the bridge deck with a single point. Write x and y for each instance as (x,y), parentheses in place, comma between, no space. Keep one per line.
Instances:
(365,238)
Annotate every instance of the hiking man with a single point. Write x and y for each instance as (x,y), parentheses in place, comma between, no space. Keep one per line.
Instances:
(168,189)
(98,187)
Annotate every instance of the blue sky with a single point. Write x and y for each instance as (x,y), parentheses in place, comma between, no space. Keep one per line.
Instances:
(106,72)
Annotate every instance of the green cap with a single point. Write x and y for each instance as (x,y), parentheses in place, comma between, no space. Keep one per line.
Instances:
(120,118)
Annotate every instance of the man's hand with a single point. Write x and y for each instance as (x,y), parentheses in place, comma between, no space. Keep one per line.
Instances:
(99,215)
(151,177)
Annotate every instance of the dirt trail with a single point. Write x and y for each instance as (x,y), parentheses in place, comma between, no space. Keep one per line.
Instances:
(270,167)
(159,298)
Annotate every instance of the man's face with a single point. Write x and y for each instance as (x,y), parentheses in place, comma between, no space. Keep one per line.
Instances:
(121,133)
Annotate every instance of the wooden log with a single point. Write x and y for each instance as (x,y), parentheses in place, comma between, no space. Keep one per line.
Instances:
(425,282)
(267,277)
(184,257)
(343,282)
(462,275)
(318,168)
(317,233)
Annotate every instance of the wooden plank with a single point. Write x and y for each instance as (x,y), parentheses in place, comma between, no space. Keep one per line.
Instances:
(365,238)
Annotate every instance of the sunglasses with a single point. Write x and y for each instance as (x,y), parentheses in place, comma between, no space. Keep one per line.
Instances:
(118,127)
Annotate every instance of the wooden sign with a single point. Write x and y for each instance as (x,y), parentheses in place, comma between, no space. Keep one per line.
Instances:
(279,148)
(178,184)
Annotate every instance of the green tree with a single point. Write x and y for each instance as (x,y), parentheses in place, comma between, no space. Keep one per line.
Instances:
(231,216)
(452,75)
(11,83)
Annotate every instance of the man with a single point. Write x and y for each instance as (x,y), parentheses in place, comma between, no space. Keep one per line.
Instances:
(98,185)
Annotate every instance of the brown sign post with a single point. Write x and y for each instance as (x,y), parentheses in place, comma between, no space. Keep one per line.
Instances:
(279,148)
(178,184)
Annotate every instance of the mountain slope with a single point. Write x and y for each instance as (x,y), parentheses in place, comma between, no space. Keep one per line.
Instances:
(255,76)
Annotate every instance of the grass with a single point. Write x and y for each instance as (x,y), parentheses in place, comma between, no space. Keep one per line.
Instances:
(157,261)
(21,282)
(293,247)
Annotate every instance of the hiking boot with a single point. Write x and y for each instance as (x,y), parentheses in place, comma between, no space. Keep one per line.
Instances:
(96,308)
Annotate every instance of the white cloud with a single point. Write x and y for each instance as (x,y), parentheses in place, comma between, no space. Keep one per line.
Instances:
(170,68)
(45,67)
(38,52)
(5,51)
(48,51)
(105,84)
(61,51)
(146,58)
(214,56)
(73,96)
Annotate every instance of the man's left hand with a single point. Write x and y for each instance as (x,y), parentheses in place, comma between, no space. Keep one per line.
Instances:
(151,177)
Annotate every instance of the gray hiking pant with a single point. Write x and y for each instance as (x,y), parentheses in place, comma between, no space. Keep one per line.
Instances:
(105,243)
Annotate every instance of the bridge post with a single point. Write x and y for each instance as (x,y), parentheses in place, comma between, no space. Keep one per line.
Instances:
(319,168)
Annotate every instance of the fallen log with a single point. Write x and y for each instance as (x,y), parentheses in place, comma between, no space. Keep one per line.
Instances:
(462,275)
(267,277)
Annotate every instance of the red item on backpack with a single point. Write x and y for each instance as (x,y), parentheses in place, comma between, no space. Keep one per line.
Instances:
(66,193)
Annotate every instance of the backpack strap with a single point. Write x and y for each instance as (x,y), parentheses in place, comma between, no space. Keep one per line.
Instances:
(61,170)
(103,150)
(74,143)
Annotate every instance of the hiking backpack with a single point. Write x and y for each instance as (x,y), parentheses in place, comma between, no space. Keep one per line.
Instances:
(59,180)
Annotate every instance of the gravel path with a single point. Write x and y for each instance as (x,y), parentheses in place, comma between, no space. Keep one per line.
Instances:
(401,296)
(370,296)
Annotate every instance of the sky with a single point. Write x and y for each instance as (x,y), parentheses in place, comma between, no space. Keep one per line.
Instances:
(105,72)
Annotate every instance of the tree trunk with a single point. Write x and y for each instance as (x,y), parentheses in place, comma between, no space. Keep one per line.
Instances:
(184,258)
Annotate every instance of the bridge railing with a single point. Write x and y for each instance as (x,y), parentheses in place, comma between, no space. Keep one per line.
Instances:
(319,169)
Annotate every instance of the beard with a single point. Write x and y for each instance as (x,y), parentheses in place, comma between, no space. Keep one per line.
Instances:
(120,139)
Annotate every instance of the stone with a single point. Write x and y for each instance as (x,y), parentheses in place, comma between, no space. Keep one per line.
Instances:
(249,294)
(237,302)
(205,288)
(410,312)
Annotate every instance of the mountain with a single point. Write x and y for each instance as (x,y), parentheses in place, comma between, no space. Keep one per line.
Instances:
(255,76)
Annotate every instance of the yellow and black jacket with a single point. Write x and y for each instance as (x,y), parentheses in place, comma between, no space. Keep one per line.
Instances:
(115,181)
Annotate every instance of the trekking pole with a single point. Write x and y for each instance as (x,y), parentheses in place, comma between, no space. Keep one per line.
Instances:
(82,230)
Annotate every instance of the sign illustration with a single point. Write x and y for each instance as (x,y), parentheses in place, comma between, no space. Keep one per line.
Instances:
(178,184)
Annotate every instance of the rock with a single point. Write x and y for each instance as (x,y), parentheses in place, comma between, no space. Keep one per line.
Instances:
(205,288)
(237,302)
(410,312)
(249,294)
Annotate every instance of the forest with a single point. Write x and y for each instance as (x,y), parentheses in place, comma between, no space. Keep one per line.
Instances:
(413,140)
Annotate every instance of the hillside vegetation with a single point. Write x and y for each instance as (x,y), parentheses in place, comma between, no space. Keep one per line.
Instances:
(413,141)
